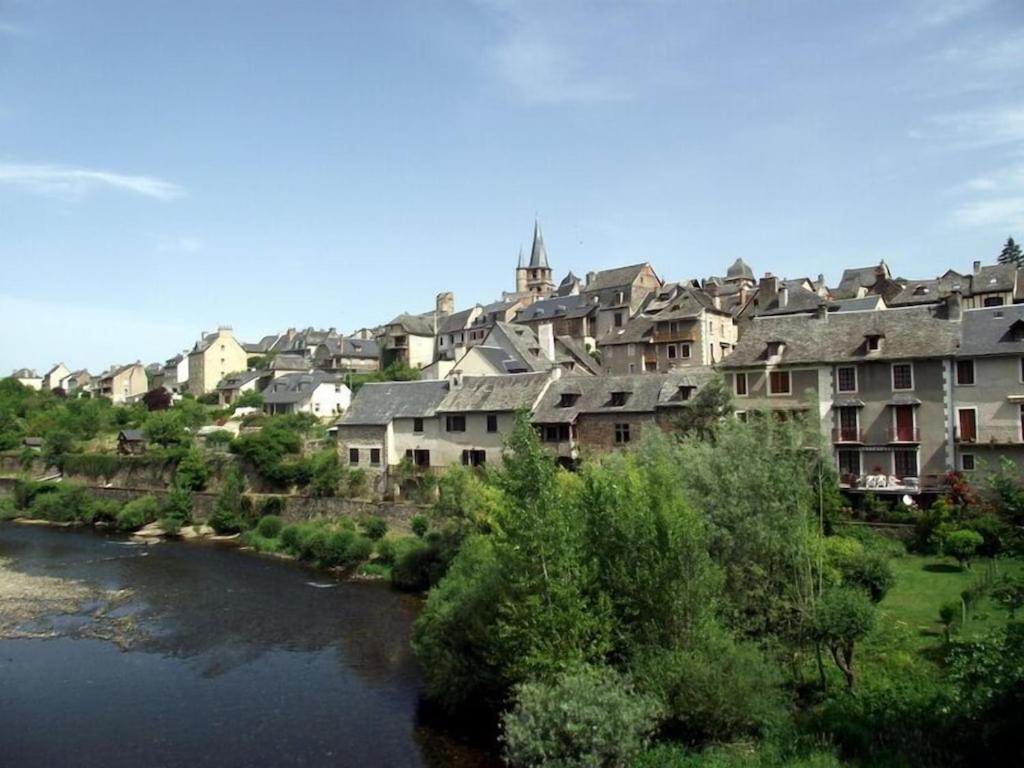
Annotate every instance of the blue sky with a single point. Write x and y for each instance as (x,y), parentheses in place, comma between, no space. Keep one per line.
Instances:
(169,166)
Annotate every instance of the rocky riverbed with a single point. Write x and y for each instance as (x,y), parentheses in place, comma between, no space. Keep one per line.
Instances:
(40,607)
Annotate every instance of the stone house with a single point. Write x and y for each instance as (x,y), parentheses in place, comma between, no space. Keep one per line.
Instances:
(431,424)
(988,389)
(214,356)
(123,384)
(580,414)
(318,393)
(347,354)
(77,381)
(28,378)
(411,339)
(879,382)
(618,294)
(680,326)
(230,387)
(574,316)
(993,286)
(511,348)
(52,378)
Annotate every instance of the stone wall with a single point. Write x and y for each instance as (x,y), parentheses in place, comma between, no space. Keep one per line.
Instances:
(296,508)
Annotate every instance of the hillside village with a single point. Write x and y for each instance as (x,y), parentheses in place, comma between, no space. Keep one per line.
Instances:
(910,378)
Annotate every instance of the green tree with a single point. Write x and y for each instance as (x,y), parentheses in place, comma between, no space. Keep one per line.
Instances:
(251,399)
(227,509)
(57,444)
(327,474)
(165,428)
(1011,254)
(192,472)
(588,717)
(961,545)
(702,415)
(843,617)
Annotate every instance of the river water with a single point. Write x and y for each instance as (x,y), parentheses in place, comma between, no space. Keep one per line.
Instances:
(214,658)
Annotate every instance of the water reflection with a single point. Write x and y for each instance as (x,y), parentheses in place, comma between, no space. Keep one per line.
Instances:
(230,645)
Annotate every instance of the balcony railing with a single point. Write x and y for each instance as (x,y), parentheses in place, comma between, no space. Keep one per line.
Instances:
(670,336)
(904,435)
(847,435)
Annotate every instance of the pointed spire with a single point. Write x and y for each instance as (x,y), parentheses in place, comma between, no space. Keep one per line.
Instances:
(522,264)
(538,254)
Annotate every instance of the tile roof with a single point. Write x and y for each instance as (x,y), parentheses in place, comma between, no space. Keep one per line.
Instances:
(494,393)
(297,387)
(237,380)
(990,331)
(619,277)
(915,332)
(646,392)
(996,277)
(378,404)
(415,325)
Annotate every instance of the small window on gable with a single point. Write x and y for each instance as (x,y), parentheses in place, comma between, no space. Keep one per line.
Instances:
(685,392)
(775,348)
(619,399)
(567,400)
(1017,330)
(874,342)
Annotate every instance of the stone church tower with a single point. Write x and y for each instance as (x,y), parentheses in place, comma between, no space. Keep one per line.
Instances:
(534,279)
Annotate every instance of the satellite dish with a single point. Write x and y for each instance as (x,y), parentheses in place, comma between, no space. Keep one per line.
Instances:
(908,500)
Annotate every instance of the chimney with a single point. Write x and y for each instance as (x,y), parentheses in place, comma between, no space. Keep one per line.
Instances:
(546,337)
(445,303)
(455,381)
(716,300)
(590,277)
(744,294)
(954,306)
(783,295)
(821,313)
(977,267)
(767,288)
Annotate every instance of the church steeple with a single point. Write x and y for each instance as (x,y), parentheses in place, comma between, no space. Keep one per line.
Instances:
(534,278)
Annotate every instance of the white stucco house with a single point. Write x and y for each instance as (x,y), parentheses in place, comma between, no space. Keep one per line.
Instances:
(321,394)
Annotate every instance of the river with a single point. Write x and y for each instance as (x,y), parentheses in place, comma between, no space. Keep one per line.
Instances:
(185,654)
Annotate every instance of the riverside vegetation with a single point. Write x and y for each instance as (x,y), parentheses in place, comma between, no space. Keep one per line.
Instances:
(699,600)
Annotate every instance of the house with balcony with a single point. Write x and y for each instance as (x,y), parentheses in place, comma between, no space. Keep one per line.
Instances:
(988,389)
(680,326)
(581,414)
(122,383)
(879,382)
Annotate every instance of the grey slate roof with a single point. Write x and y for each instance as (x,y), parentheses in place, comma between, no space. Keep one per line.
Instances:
(132,435)
(917,292)
(575,350)
(237,380)
(988,331)
(646,393)
(867,304)
(457,321)
(739,271)
(287,362)
(296,387)
(25,373)
(493,393)
(916,332)
(538,253)
(415,325)
(555,308)
(378,404)
(800,299)
(620,277)
(993,278)
(858,277)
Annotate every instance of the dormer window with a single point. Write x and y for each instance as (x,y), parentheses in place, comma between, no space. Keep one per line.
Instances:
(775,348)
(874,342)
(685,392)
(568,400)
(619,399)
(620,297)
(1017,330)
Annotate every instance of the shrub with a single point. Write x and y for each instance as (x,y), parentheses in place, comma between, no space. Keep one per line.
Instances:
(589,716)
(294,535)
(137,513)
(961,545)
(192,472)
(165,428)
(326,475)
(329,548)
(417,565)
(717,689)
(60,503)
(357,483)
(270,526)
(177,505)
(102,511)
(272,505)
(870,571)
(92,465)
(359,549)
(420,524)
(228,513)
(844,616)
(171,525)
(375,527)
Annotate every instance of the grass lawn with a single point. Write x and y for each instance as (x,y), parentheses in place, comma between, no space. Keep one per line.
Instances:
(925,582)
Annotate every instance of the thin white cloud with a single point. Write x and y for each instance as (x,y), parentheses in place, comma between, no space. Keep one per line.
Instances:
(982,128)
(547,56)
(1006,213)
(939,13)
(74,183)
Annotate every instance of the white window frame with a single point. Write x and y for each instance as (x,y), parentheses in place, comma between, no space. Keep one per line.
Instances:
(746,385)
(956,371)
(671,352)
(892,377)
(685,350)
(913,426)
(788,392)
(973,459)
(856,380)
